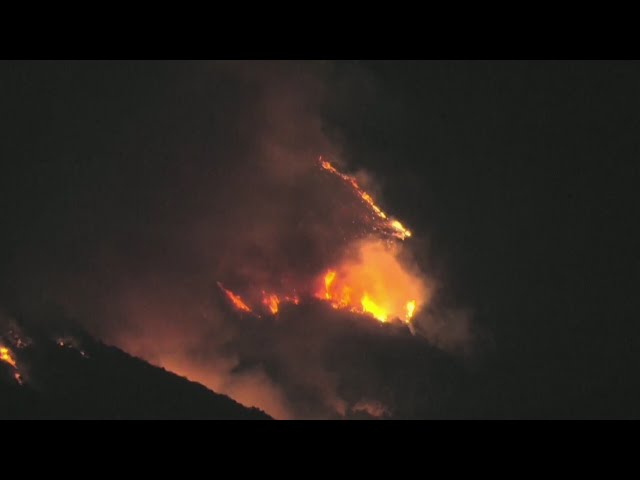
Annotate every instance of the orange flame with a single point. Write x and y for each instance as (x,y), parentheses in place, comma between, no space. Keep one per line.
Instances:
(411,307)
(235,299)
(398,230)
(271,302)
(5,356)
(373,283)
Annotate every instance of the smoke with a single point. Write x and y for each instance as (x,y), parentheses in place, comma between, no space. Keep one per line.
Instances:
(218,182)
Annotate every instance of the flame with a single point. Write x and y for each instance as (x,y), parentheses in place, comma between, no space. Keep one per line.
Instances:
(373,283)
(411,307)
(5,356)
(328,280)
(271,302)
(370,306)
(397,229)
(235,299)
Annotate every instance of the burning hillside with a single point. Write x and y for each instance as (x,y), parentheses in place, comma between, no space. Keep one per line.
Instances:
(368,277)
(228,252)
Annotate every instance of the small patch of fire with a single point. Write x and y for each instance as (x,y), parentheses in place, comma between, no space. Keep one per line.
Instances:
(72,343)
(235,300)
(7,357)
(272,301)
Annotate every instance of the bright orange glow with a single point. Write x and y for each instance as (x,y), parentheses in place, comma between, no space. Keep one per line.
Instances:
(271,302)
(374,282)
(398,230)
(5,356)
(369,306)
(235,299)
(328,280)
(411,307)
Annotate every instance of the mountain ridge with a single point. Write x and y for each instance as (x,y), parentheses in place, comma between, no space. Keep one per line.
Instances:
(78,377)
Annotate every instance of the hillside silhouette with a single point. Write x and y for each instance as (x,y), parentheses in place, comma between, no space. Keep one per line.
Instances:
(76,377)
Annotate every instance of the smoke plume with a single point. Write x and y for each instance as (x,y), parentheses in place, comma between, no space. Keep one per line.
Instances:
(219,181)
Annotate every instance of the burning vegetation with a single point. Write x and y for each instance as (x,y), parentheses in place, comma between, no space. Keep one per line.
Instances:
(368,278)
(12,341)
(5,356)
(299,250)
(386,224)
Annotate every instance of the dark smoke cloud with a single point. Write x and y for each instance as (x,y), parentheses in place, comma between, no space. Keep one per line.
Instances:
(210,175)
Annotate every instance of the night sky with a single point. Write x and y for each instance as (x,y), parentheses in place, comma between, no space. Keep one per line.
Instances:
(517,178)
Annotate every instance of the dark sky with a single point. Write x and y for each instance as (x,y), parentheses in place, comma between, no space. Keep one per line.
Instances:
(519,174)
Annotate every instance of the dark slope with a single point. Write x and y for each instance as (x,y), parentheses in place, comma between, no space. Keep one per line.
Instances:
(89,380)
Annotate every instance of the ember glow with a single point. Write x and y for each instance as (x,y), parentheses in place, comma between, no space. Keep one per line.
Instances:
(5,356)
(72,343)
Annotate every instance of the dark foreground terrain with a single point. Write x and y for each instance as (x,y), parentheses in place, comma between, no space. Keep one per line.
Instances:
(76,377)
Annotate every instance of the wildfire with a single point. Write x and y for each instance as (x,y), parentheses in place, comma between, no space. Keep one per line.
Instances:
(363,290)
(235,299)
(369,279)
(5,356)
(397,229)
